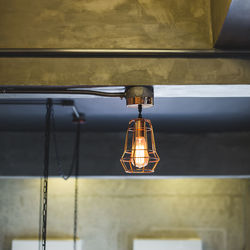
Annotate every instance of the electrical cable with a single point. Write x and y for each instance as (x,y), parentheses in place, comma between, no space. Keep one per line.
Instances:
(139,110)
(58,160)
(74,164)
(35,90)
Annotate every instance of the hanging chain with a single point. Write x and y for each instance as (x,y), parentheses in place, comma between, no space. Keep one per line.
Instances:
(44,190)
(78,130)
(44,184)
(40,213)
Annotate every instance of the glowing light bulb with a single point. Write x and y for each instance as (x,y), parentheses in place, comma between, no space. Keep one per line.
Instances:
(140,156)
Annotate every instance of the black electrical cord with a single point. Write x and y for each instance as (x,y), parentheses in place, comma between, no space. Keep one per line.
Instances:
(58,160)
(74,165)
(140,111)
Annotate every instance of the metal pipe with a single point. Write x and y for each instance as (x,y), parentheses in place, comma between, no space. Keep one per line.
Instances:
(122,53)
(34,90)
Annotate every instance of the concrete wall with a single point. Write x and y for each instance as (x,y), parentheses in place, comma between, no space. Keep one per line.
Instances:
(122,71)
(105,24)
(113,212)
(21,154)
(151,24)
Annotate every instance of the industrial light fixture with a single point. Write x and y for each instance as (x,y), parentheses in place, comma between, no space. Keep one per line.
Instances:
(139,154)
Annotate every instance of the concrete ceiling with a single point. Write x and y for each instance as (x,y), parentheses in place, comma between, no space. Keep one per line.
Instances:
(105,24)
(180,24)
(115,24)
(142,24)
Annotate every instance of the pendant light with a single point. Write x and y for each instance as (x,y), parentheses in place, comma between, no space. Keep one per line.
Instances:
(139,154)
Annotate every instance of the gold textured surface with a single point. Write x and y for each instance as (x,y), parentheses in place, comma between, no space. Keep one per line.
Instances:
(105,24)
(122,71)
(219,10)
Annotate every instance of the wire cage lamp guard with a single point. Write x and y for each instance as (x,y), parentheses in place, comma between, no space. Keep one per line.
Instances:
(139,154)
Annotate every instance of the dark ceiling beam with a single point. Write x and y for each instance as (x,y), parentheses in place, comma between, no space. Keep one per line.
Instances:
(235,32)
(121,53)
(219,10)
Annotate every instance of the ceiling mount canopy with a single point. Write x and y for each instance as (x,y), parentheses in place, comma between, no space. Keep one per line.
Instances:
(139,154)
(139,95)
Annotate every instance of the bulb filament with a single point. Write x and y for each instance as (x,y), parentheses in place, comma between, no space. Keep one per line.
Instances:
(140,156)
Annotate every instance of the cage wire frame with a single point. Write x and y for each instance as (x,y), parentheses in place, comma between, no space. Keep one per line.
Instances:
(145,129)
